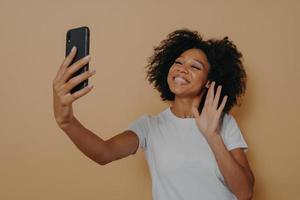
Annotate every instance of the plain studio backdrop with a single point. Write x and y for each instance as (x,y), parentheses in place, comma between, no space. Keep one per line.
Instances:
(38,160)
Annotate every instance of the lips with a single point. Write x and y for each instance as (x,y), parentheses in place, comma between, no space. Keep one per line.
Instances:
(181,80)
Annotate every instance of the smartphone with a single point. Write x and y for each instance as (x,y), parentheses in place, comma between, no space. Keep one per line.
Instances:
(79,37)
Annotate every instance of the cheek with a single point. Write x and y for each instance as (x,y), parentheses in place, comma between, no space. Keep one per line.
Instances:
(202,75)
(200,80)
(170,75)
(169,79)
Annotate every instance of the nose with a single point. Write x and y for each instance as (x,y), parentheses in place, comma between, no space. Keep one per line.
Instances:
(183,68)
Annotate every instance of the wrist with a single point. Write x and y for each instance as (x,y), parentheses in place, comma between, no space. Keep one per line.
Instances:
(212,137)
(65,124)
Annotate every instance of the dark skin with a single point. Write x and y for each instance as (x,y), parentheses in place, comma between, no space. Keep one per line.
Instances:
(193,66)
(232,164)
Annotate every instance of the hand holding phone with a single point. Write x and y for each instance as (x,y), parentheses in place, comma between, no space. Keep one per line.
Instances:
(65,81)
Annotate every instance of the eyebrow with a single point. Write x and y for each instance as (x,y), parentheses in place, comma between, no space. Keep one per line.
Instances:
(199,61)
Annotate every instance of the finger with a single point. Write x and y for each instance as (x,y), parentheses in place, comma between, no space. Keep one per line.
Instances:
(74,68)
(76,80)
(82,92)
(66,62)
(207,84)
(212,91)
(195,112)
(210,94)
(221,107)
(70,98)
(217,97)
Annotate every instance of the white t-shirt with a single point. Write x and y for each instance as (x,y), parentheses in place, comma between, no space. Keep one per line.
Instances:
(182,164)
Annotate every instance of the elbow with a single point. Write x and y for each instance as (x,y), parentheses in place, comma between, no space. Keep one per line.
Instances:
(247,195)
(103,157)
(250,195)
(103,160)
(102,163)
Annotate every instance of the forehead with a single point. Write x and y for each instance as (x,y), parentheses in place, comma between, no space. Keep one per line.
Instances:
(195,54)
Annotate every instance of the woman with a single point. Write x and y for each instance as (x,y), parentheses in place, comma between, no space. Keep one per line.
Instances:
(194,148)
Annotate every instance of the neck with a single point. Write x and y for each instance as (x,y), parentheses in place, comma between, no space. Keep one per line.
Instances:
(182,107)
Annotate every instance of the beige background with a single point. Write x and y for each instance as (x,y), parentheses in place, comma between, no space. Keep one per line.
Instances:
(38,161)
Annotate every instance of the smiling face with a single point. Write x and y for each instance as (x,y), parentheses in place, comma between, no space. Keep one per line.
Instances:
(188,75)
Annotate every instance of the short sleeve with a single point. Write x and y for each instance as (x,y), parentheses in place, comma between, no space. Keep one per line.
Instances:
(141,127)
(232,135)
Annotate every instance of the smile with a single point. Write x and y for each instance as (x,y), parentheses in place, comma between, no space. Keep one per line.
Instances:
(180,81)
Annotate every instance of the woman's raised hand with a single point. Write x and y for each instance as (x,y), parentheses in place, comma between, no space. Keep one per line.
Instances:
(62,85)
(208,121)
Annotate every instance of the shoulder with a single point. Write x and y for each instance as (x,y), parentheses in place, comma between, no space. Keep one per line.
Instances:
(150,120)
(228,121)
(229,125)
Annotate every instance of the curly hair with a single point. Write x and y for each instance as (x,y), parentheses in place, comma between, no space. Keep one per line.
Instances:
(226,67)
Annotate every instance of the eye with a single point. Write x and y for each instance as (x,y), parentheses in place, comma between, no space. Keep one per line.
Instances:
(177,62)
(196,67)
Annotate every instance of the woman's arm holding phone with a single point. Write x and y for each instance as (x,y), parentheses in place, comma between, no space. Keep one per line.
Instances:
(87,142)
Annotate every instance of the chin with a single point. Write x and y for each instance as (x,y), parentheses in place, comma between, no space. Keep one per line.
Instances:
(183,91)
(179,90)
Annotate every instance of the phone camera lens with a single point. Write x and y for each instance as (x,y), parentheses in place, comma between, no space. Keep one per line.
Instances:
(68,37)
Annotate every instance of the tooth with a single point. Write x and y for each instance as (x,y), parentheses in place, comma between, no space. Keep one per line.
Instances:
(180,80)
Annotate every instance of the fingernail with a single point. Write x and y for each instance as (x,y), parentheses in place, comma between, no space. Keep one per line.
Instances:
(73,48)
(87,57)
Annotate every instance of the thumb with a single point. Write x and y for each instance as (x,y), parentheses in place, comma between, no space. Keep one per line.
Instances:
(195,112)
